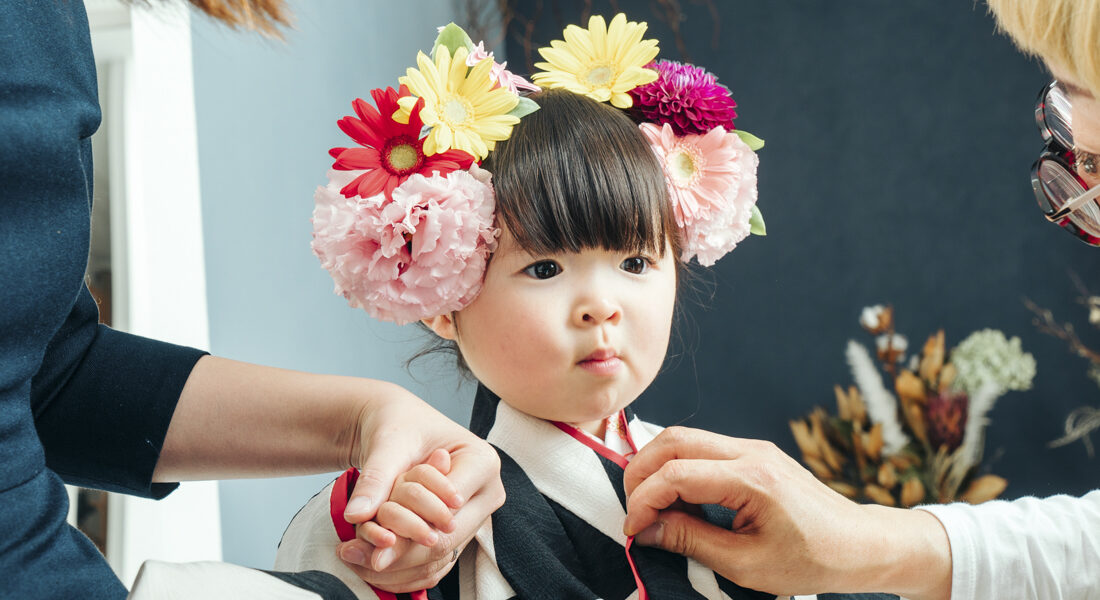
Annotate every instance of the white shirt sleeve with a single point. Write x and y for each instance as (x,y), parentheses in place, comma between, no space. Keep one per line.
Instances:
(1028,548)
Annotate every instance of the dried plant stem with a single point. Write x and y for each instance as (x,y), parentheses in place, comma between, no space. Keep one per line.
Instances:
(1046,324)
(1079,424)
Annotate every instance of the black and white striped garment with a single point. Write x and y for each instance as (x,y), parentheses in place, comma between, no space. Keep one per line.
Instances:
(558,535)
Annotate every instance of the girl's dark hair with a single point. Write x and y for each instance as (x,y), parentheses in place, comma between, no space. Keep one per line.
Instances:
(578,174)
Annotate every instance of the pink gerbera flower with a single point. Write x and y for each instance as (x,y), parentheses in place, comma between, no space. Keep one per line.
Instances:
(686,97)
(391,152)
(712,183)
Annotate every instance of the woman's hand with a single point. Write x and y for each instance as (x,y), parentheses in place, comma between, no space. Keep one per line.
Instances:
(792,533)
(398,433)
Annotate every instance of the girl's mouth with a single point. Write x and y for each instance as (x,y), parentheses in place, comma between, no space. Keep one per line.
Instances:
(604,361)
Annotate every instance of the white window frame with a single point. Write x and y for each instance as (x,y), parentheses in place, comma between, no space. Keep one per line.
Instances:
(157,259)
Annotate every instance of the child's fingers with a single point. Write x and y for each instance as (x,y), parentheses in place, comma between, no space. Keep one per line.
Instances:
(356,553)
(384,557)
(419,568)
(435,482)
(375,535)
(406,523)
(441,460)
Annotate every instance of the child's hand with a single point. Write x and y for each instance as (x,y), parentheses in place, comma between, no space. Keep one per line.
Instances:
(404,543)
(421,497)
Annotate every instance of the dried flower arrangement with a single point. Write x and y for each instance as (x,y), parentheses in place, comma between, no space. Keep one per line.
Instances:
(1084,420)
(923,445)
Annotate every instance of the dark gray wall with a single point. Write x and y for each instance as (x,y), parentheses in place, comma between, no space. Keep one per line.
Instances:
(899,136)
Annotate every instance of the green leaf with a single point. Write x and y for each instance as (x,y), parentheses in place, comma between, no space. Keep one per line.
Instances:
(756,222)
(754,142)
(525,107)
(452,37)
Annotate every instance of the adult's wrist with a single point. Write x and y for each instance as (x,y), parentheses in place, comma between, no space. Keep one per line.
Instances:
(908,553)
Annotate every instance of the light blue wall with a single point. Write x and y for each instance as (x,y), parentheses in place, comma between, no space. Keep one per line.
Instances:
(267,115)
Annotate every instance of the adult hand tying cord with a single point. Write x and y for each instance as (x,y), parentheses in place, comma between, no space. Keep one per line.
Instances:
(792,534)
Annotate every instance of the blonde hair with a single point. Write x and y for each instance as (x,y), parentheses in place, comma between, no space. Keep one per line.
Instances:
(1064,33)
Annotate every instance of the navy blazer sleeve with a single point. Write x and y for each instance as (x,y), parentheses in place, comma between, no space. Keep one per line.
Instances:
(102,401)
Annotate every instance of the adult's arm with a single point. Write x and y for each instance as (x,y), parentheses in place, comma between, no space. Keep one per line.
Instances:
(130,414)
(241,420)
(793,534)
(236,419)
(102,401)
(1026,548)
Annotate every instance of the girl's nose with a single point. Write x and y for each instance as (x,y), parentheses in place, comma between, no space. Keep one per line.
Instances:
(597,311)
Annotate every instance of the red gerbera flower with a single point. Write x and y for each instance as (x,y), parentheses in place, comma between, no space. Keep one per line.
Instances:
(391,152)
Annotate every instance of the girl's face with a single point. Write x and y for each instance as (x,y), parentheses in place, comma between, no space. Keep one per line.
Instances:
(570,337)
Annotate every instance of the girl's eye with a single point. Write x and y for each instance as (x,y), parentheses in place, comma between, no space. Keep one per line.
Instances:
(544,269)
(635,264)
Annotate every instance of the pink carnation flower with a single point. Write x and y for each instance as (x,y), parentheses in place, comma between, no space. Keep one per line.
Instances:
(712,183)
(686,97)
(501,76)
(421,255)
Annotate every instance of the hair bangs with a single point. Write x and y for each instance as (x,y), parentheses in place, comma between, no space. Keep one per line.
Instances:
(578,174)
(1063,33)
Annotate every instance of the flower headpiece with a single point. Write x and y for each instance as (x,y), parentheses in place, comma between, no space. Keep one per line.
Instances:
(405,225)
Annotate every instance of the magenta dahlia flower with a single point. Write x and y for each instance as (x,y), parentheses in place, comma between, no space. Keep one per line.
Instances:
(686,97)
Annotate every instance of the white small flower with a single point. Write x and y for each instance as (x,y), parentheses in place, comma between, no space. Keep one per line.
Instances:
(871,317)
(895,342)
(1094,310)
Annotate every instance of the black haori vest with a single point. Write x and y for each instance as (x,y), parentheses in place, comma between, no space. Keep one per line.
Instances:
(559,534)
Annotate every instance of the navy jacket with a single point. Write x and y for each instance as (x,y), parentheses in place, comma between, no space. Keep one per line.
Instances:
(79,402)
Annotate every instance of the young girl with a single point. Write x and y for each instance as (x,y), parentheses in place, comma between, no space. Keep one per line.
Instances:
(589,217)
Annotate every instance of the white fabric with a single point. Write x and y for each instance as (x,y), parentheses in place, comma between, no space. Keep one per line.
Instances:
(310,541)
(157,580)
(1027,548)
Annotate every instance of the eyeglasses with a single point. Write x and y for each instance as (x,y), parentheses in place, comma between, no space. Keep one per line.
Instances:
(1063,196)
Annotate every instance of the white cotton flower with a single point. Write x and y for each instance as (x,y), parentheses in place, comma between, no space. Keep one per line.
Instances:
(894,343)
(881,405)
(871,317)
(987,357)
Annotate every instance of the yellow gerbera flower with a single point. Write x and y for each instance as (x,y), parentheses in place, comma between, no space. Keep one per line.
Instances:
(603,63)
(460,104)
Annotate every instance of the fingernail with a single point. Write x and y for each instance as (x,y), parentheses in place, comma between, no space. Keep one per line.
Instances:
(353,555)
(357,506)
(651,536)
(383,559)
(431,539)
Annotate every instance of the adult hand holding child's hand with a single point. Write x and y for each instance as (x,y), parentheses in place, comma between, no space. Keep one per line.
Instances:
(402,441)
(792,533)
